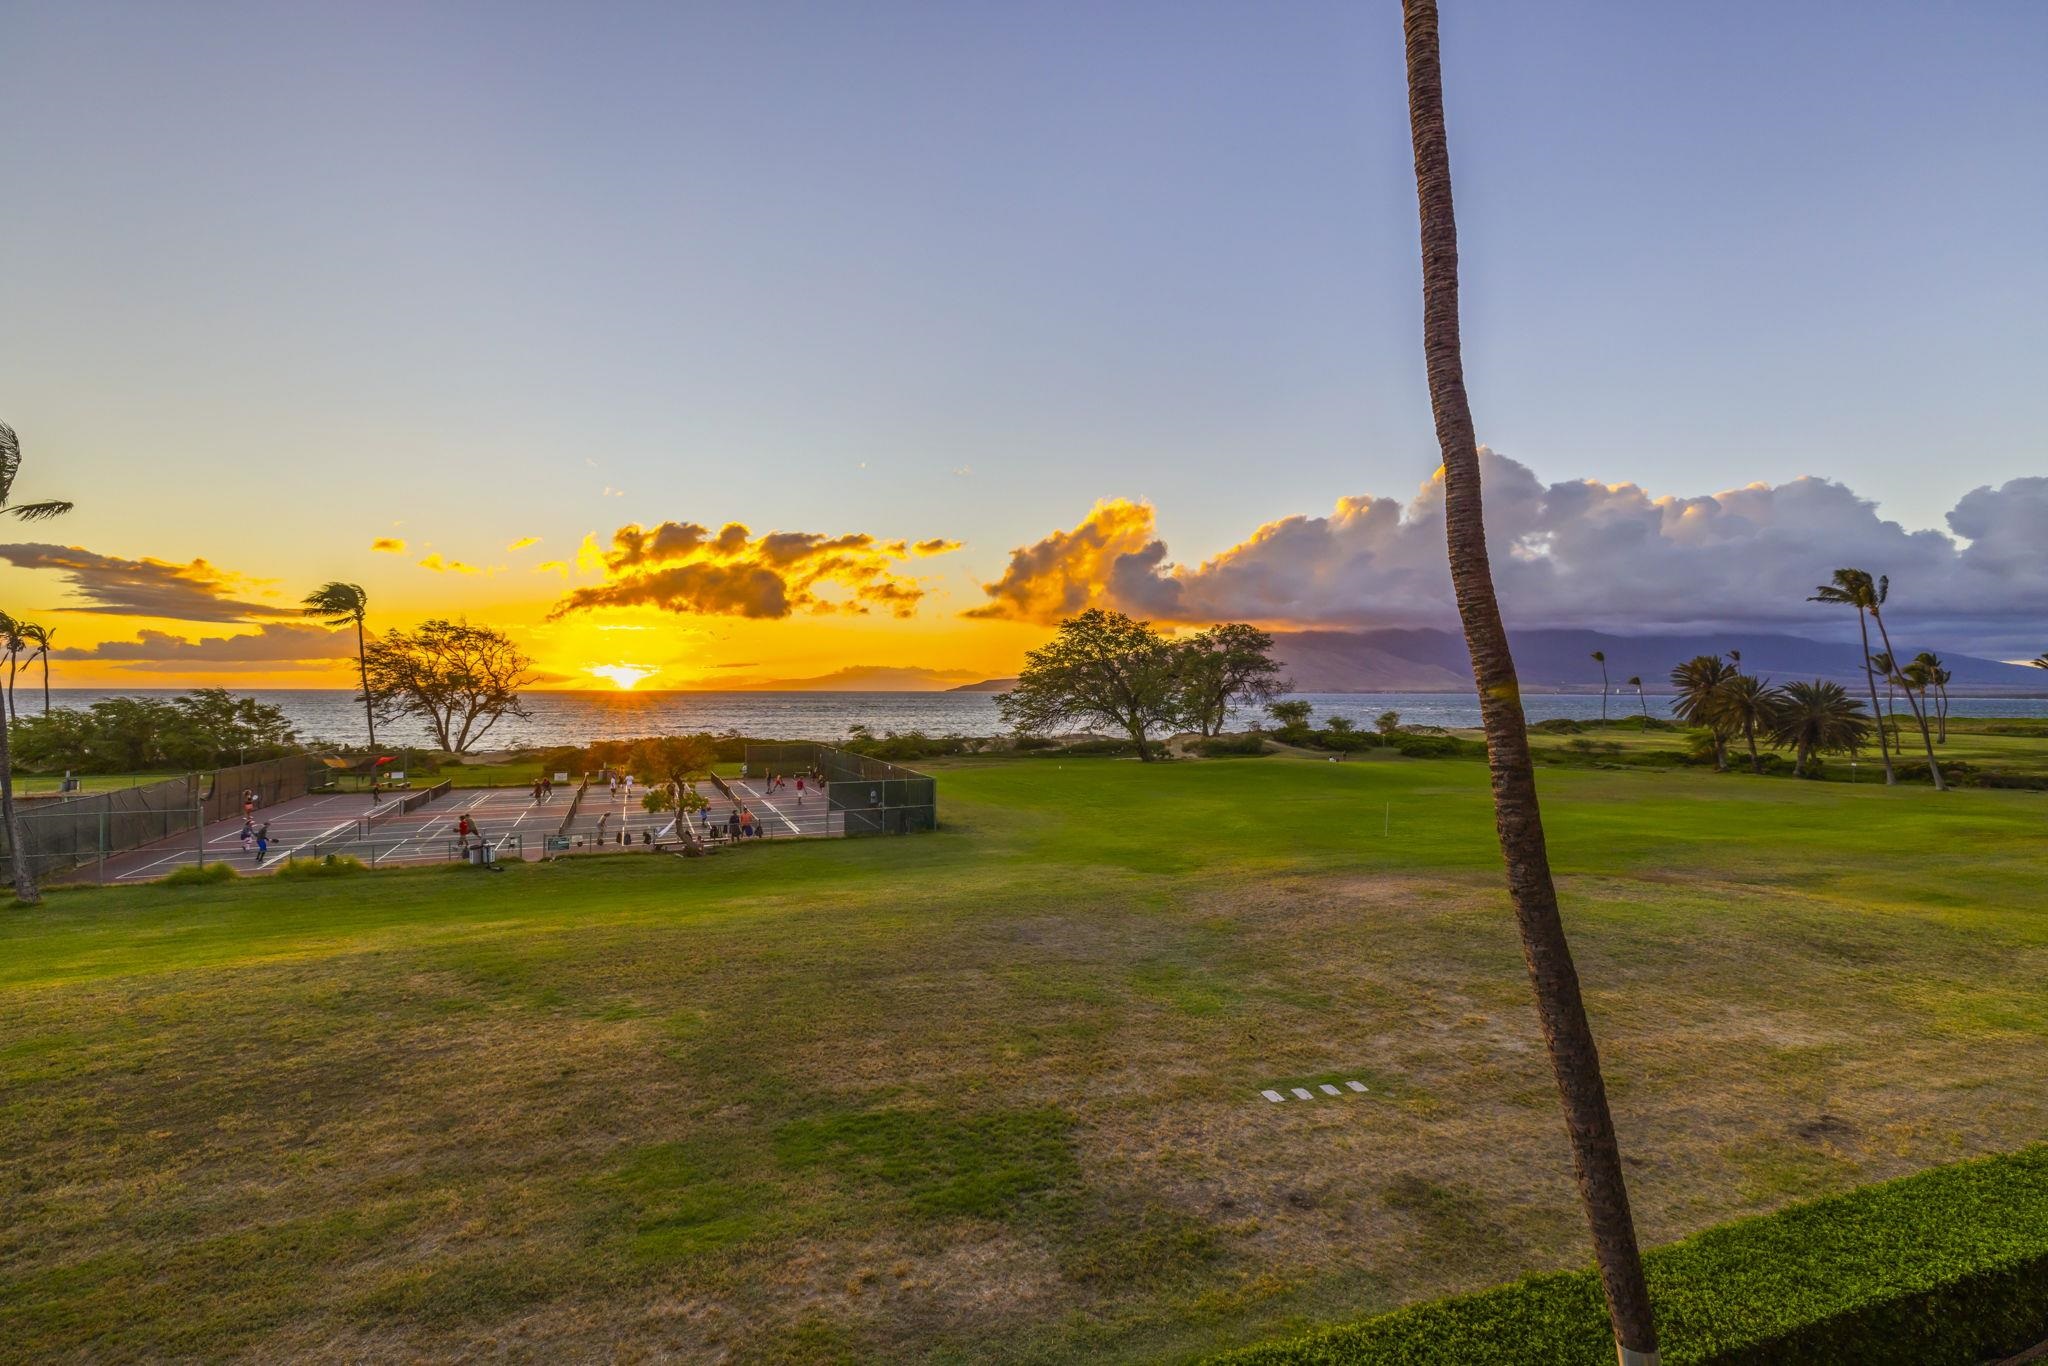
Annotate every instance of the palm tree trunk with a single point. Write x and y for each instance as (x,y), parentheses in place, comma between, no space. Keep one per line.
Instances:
(46,681)
(1756,763)
(1943,736)
(17,854)
(1926,736)
(1574,1058)
(1603,692)
(363,666)
(1640,697)
(1870,678)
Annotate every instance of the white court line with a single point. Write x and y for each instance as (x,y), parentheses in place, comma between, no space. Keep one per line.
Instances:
(793,827)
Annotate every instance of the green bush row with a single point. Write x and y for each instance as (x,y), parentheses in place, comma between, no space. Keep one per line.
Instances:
(1947,1268)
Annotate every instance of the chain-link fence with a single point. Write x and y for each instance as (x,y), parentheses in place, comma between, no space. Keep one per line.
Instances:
(60,833)
(870,796)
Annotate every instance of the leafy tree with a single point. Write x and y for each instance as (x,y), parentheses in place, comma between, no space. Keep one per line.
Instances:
(1817,718)
(675,759)
(1854,588)
(1387,722)
(461,680)
(1226,664)
(1871,600)
(204,729)
(343,604)
(1701,702)
(1600,657)
(1102,668)
(1292,719)
(1574,1059)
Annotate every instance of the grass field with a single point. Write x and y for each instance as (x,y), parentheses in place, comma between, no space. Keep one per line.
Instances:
(990,1094)
(2011,746)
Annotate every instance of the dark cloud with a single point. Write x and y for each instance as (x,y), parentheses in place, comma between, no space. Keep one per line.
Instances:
(1578,553)
(277,646)
(686,567)
(144,588)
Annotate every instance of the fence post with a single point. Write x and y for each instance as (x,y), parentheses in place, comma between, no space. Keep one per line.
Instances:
(199,828)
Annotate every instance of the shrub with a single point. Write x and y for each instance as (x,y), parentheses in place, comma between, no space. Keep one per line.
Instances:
(1435,746)
(199,875)
(328,865)
(1026,744)
(1345,741)
(1946,1268)
(1558,725)
(1230,746)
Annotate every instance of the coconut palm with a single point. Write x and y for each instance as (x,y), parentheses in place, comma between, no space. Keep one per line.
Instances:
(1574,1058)
(1749,703)
(1855,588)
(1817,718)
(341,604)
(39,637)
(1700,701)
(10,465)
(1915,679)
(1938,676)
(1635,681)
(1600,658)
(1898,678)
(2040,661)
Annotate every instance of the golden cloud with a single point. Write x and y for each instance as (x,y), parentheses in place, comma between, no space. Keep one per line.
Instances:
(439,565)
(687,567)
(1071,571)
(390,545)
(523,542)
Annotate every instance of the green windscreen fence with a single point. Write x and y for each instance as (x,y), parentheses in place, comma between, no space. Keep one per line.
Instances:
(60,833)
(870,796)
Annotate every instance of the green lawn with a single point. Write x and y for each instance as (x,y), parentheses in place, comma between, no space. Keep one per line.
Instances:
(990,1094)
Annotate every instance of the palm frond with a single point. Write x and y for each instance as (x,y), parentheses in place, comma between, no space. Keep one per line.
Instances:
(38,512)
(10,459)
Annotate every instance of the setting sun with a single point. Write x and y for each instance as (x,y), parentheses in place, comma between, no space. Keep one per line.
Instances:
(623,675)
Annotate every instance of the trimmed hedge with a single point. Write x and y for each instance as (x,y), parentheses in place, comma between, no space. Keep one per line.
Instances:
(1947,1268)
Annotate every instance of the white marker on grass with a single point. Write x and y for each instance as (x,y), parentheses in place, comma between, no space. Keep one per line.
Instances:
(1273,1096)
(1356,1085)
(1301,1093)
(1330,1090)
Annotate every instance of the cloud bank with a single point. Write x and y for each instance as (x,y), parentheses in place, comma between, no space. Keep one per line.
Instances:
(274,646)
(686,567)
(1577,553)
(144,588)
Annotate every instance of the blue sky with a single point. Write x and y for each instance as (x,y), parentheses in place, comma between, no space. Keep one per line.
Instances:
(278,277)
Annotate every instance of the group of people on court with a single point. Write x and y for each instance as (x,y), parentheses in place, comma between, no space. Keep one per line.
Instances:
(252,833)
(543,788)
(778,782)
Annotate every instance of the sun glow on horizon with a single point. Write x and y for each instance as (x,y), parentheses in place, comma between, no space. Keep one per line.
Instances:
(623,676)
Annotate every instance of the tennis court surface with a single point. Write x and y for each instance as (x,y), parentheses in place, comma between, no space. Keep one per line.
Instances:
(515,825)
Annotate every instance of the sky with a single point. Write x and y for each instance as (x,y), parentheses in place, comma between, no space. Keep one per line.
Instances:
(966,315)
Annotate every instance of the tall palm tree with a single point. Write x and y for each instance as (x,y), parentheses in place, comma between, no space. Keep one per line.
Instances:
(340,604)
(1915,680)
(10,465)
(1600,657)
(1701,702)
(17,855)
(1817,718)
(39,636)
(1888,669)
(1635,681)
(1896,677)
(1751,703)
(1855,588)
(1574,1058)
(1938,677)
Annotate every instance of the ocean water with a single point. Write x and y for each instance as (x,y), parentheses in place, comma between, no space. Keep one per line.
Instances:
(572,718)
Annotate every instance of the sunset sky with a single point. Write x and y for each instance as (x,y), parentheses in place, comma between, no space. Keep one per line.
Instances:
(746,342)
